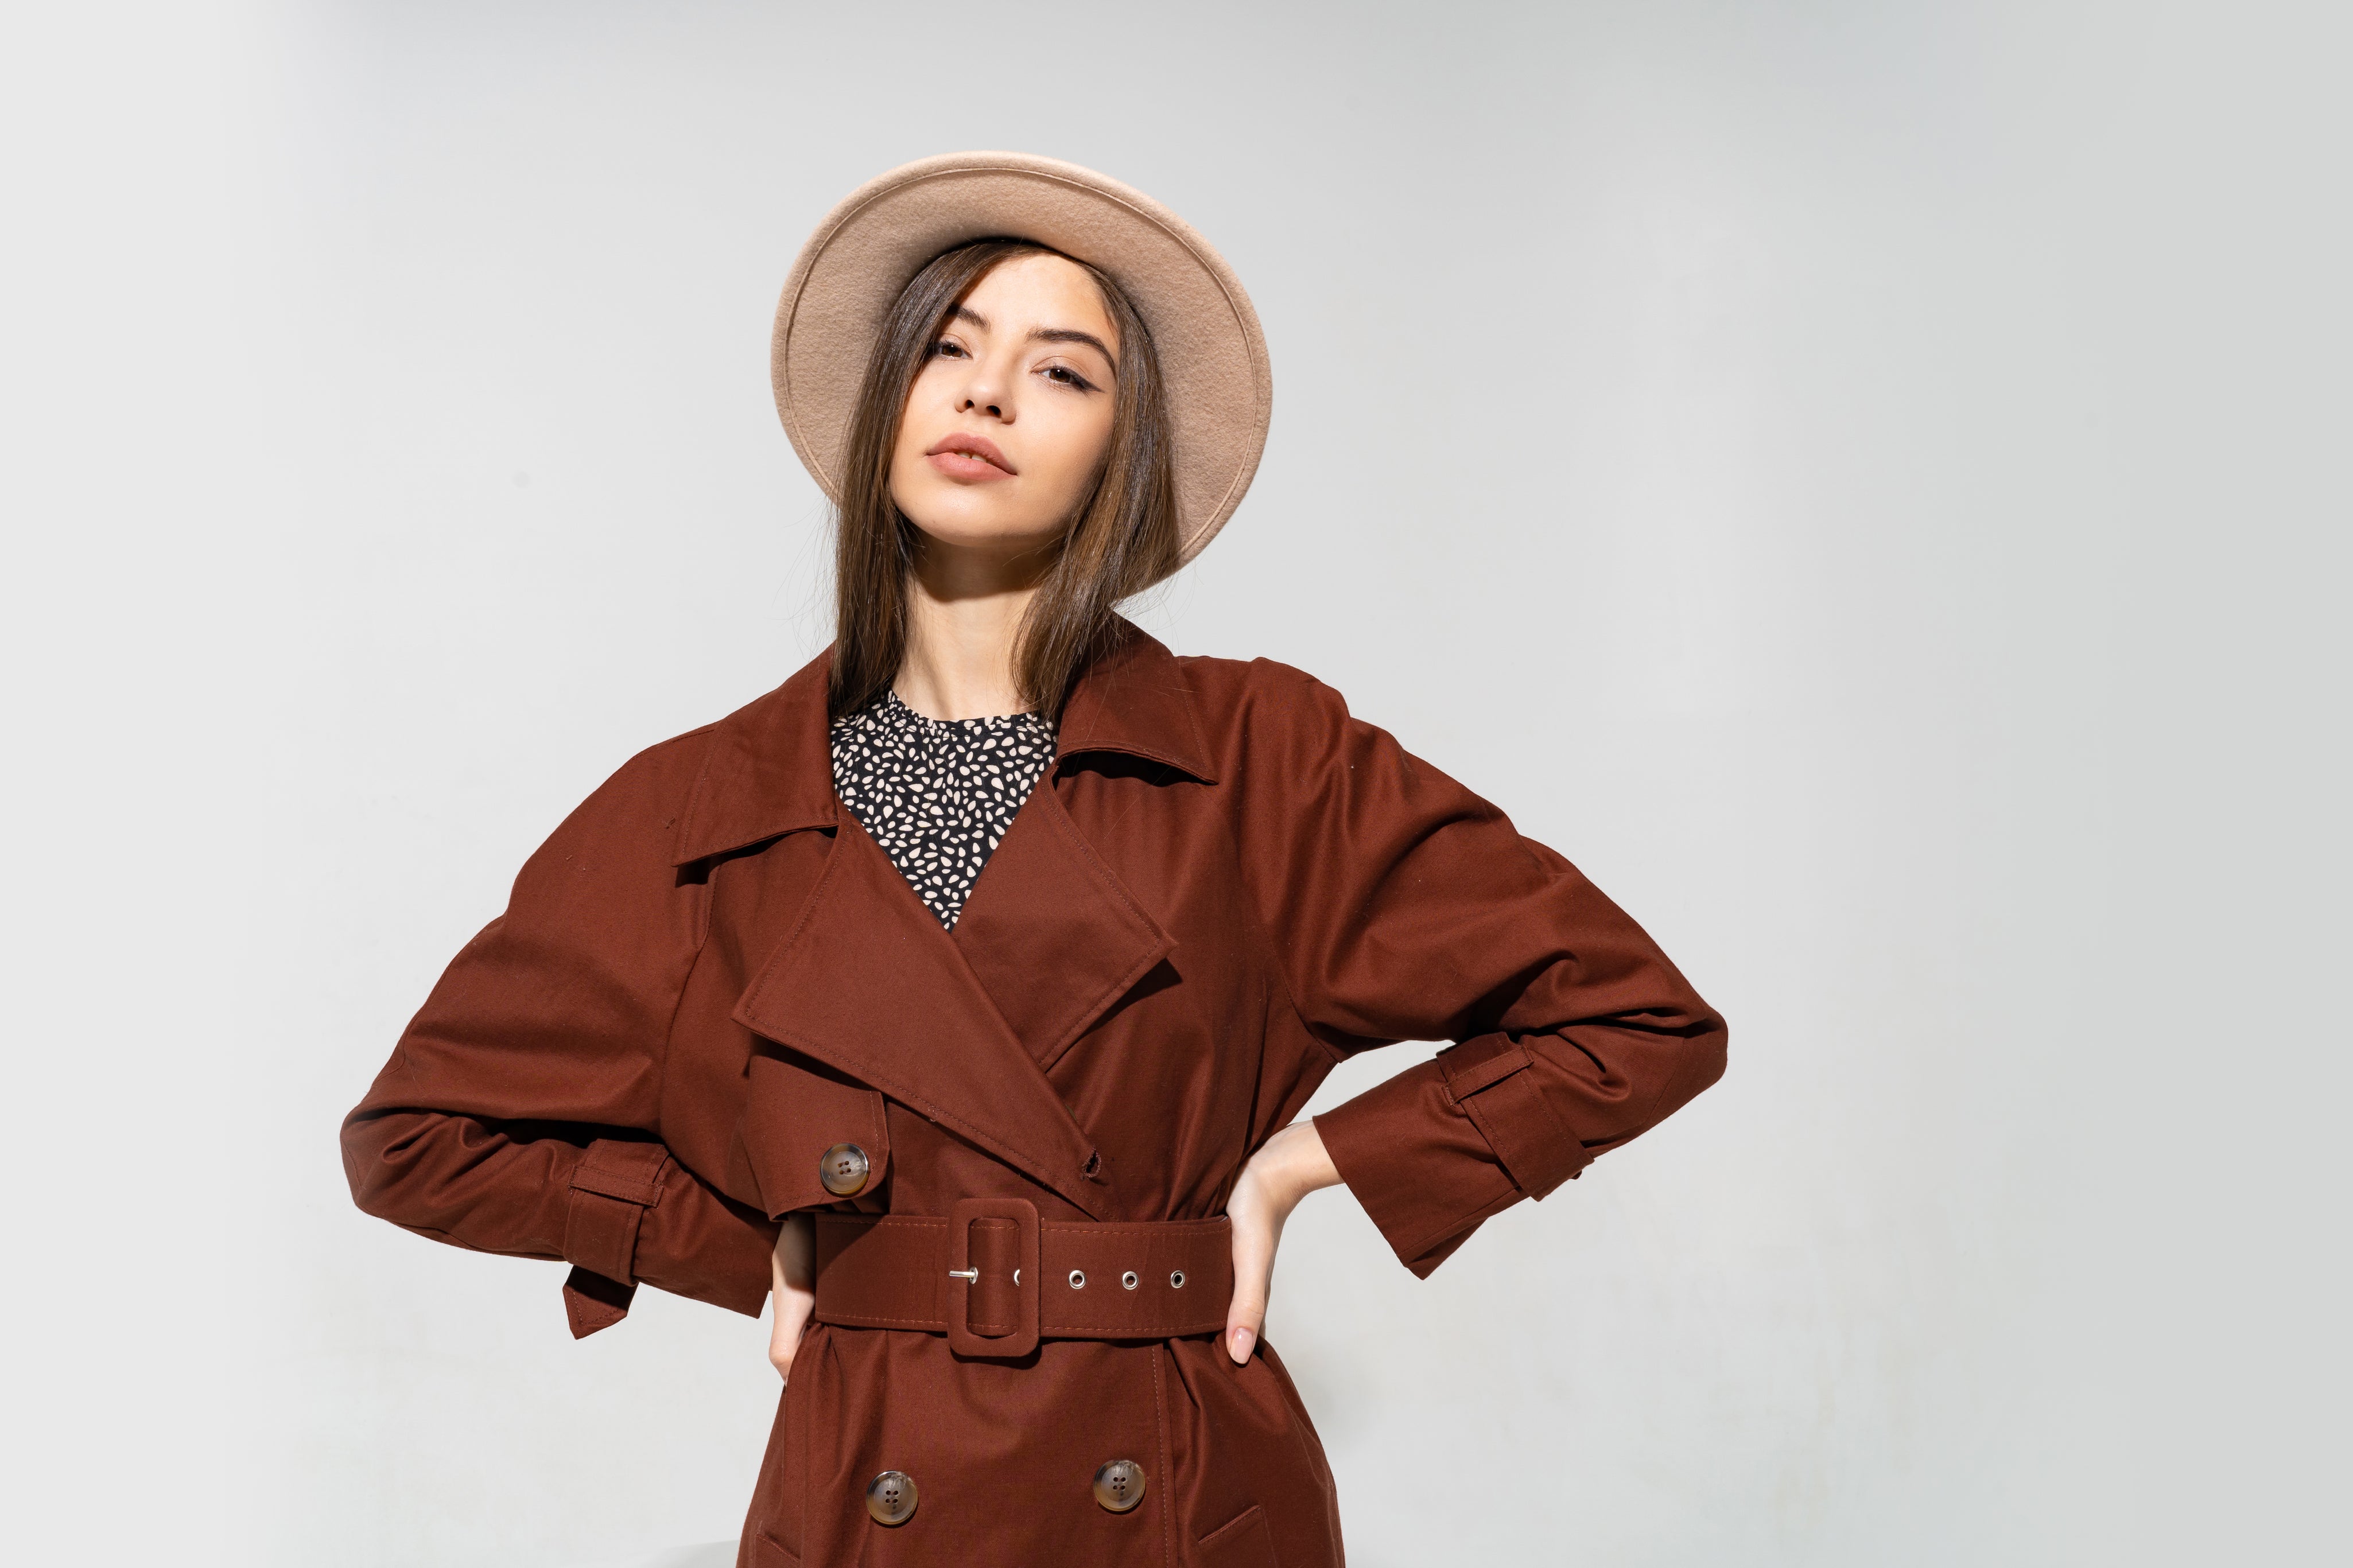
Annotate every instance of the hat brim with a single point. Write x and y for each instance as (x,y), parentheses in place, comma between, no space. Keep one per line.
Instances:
(1213,363)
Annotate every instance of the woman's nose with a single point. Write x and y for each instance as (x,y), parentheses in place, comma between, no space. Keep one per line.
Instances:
(983,395)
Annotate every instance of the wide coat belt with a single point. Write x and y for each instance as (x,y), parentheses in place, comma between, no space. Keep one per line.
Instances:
(996,1281)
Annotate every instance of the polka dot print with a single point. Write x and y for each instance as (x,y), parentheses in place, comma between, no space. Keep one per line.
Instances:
(938,794)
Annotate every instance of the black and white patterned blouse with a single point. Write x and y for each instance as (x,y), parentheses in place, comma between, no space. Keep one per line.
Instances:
(937,794)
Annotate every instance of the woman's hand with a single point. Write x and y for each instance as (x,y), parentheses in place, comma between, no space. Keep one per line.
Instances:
(792,1285)
(1287,1167)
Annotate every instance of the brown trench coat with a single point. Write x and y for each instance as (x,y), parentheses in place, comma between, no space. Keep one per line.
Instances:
(710,974)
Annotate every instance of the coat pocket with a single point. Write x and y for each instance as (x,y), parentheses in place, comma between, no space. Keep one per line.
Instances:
(1243,1542)
(777,1527)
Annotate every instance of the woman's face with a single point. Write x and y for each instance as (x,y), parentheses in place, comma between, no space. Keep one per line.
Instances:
(1010,416)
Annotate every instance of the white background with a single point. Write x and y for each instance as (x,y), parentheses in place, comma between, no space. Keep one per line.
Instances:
(1868,481)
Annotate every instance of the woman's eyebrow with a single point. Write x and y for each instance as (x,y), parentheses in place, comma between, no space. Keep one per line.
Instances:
(1072,335)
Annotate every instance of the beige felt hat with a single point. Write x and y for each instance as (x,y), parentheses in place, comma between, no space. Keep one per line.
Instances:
(1212,356)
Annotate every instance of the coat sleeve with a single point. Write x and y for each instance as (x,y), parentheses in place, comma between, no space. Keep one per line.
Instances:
(520,1111)
(1404,907)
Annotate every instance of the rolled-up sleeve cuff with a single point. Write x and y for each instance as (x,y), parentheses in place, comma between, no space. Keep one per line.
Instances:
(613,1185)
(1488,1079)
(1441,1148)
(635,1214)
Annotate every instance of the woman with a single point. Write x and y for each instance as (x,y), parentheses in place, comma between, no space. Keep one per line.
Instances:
(960,994)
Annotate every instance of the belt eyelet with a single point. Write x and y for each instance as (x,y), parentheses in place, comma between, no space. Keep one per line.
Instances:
(1128,1281)
(1176,1280)
(1078,1279)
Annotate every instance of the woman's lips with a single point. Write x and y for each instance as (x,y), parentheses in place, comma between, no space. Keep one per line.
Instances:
(963,456)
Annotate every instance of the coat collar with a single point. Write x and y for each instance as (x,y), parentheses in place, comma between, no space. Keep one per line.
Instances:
(1135,700)
(769,771)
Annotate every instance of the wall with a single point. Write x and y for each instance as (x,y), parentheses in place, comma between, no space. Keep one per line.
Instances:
(1865,481)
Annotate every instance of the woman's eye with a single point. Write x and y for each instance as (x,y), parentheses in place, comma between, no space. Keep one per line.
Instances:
(947,349)
(1063,375)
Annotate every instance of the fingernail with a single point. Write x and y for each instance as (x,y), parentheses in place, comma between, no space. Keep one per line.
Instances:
(1243,1340)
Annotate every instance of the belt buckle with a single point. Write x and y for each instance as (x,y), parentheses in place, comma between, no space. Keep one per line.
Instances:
(964,1274)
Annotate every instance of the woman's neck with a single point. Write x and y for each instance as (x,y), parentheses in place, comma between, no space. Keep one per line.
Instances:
(963,613)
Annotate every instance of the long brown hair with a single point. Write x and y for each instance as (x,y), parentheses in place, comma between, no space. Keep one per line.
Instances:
(1122,541)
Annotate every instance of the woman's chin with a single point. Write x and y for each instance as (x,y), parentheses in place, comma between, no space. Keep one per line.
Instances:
(982,534)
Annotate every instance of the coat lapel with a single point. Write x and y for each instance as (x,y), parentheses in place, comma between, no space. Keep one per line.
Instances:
(1049,929)
(869,983)
(1051,934)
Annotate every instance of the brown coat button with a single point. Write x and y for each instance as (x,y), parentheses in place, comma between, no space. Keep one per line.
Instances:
(891,1498)
(1119,1485)
(843,1169)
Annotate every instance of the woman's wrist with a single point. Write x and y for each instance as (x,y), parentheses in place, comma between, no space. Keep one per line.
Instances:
(1295,1164)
